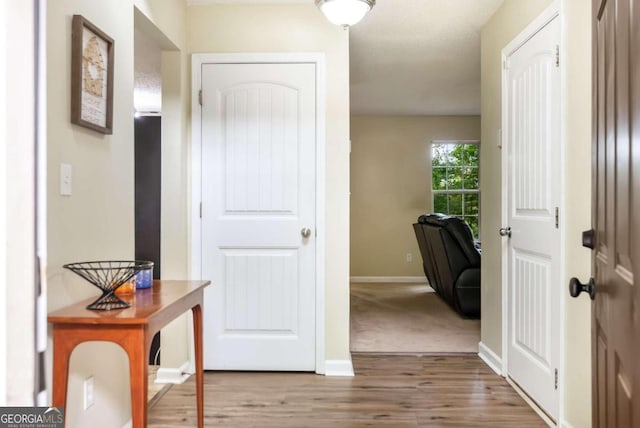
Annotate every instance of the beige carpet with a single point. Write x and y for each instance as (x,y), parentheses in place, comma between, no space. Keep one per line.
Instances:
(407,318)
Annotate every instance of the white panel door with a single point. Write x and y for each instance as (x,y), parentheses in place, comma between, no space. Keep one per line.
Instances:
(258,195)
(533,195)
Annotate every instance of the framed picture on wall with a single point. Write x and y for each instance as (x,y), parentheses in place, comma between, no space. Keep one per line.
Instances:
(91,76)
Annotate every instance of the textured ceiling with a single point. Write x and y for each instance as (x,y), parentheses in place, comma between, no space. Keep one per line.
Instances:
(147,93)
(414,57)
(418,57)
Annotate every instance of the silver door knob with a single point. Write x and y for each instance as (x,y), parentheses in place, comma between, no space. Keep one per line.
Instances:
(505,231)
(305,232)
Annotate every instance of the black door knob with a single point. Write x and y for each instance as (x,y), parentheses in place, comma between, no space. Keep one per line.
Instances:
(588,238)
(576,287)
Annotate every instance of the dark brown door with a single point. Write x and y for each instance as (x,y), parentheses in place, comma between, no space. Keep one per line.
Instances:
(616,216)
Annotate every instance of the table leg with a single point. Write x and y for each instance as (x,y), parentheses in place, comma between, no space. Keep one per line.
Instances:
(61,353)
(197,337)
(138,369)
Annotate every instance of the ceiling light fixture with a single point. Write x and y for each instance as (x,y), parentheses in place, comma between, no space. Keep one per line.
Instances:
(345,12)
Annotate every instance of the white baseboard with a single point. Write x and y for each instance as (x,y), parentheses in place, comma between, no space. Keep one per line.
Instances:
(531,403)
(338,368)
(173,375)
(490,358)
(390,279)
(495,363)
(129,424)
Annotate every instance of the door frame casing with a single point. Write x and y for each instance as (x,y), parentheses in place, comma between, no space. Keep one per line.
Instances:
(195,267)
(553,11)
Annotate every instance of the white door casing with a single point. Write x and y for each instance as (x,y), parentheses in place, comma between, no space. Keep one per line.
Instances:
(532,165)
(258,188)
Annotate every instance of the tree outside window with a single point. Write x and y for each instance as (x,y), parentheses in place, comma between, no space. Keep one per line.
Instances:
(455,180)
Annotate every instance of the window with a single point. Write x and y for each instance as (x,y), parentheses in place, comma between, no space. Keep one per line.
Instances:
(455,182)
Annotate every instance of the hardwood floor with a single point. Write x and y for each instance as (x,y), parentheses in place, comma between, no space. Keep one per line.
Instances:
(387,391)
(155,390)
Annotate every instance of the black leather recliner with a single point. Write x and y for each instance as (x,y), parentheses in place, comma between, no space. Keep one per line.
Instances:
(451,261)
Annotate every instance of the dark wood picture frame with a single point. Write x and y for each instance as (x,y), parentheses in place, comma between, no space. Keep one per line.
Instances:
(91,76)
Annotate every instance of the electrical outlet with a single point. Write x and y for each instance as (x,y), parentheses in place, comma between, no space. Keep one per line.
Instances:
(88,392)
(409,257)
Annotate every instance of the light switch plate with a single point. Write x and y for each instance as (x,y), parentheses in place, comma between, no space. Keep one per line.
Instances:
(65,179)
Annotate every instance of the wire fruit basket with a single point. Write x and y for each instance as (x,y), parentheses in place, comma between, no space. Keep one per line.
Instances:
(108,276)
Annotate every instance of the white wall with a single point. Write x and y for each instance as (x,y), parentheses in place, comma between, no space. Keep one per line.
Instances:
(223,28)
(3,205)
(17,127)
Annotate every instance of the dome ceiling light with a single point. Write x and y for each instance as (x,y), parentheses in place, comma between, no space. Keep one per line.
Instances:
(345,12)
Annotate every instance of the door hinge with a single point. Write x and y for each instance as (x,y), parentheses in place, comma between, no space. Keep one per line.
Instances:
(555,385)
(200,96)
(557,217)
(200,209)
(557,55)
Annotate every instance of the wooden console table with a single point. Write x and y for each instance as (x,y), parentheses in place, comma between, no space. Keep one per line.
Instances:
(133,329)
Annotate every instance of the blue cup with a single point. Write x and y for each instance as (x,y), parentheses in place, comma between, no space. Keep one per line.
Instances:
(144,278)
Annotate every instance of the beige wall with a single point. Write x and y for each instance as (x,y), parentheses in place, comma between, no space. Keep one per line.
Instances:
(170,17)
(97,221)
(300,28)
(391,186)
(512,17)
(577,260)
(509,20)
